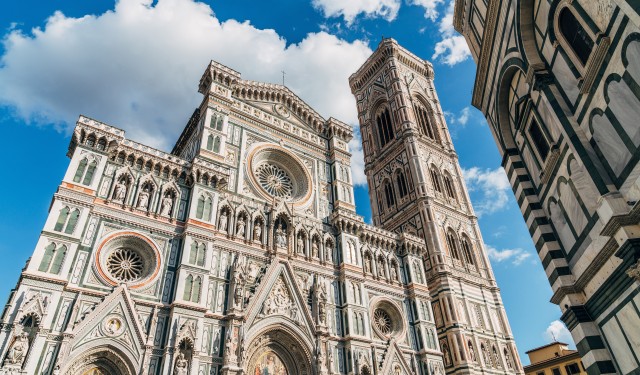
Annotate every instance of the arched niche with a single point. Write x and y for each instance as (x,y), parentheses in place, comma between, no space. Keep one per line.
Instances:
(278,347)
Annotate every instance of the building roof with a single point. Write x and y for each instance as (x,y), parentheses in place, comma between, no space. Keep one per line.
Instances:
(546,346)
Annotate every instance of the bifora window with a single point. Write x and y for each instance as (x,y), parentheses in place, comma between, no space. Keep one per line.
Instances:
(577,37)
(539,140)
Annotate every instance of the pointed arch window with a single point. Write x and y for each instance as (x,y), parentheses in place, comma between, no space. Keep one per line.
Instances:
(188,288)
(210,142)
(82,167)
(85,171)
(62,219)
(467,251)
(67,220)
(385,127)
(539,140)
(576,35)
(53,258)
(389,194)
(424,120)
(201,254)
(448,186)
(453,246)
(197,285)
(436,180)
(401,181)
(216,145)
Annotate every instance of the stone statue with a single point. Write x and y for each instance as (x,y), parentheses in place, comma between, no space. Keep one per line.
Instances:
(507,359)
(120,191)
(472,353)
(257,232)
(167,205)
(281,238)
(223,221)
(240,227)
(18,350)
(380,267)
(329,250)
(314,248)
(322,303)
(393,272)
(367,265)
(300,246)
(182,365)
(330,363)
(143,199)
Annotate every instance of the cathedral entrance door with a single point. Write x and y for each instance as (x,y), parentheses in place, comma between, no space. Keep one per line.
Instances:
(269,364)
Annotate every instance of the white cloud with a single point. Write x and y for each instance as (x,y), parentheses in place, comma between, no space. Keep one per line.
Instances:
(350,9)
(137,67)
(515,256)
(429,6)
(357,159)
(493,188)
(557,331)
(452,49)
(464,116)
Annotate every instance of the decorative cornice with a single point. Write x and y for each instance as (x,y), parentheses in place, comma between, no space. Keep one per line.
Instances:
(485,53)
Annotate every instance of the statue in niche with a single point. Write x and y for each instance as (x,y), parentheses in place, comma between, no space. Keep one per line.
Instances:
(223,221)
(216,342)
(330,363)
(314,248)
(367,264)
(143,199)
(300,246)
(380,267)
(322,302)
(393,272)
(182,365)
(281,238)
(18,350)
(257,231)
(167,205)
(329,253)
(240,227)
(507,358)
(472,353)
(120,191)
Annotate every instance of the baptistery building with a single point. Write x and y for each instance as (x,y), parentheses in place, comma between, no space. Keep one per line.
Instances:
(559,84)
(240,251)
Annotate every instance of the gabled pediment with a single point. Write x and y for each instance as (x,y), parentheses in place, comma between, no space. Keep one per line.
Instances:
(394,362)
(279,299)
(113,321)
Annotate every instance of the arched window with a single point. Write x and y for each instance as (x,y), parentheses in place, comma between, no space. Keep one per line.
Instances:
(389,194)
(539,140)
(202,252)
(424,121)
(210,142)
(188,288)
(216,145)
(436,180)
(88,177)
(453,246)
(193,254)
(47,257)
(402,184)
(82,167)
(466,251)
(448,185)
(200,207)
(197,285)
(575,34)
(73,220)
(58,258)
(206,213)
(102,144)
(385,127)
(62,219)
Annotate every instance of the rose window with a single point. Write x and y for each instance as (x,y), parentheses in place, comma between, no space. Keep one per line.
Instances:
(274,180)
(382,320)
(128,258)
(275,172)
(125,265)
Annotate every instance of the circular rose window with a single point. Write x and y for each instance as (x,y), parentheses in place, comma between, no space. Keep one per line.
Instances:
(277,173)
(387,319)
(128,258)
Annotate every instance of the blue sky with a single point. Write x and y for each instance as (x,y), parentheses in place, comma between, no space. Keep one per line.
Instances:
(135,64)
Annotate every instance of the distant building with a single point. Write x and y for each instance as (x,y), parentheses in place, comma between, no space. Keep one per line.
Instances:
(559,84)
(554,359)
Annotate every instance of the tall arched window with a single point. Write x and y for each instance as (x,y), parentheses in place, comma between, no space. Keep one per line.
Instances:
(402,184)
(62,219)
(193,254)
(389,194)
(58,258)
(216,145)
(206,213)
(385,127)
(73,220)
(436,180)
(576,35)
(47,257)
(453,246)
(82,166)
(197,285)
(53,258)
(448,186)
(202,252)
(424,121)
(88,177)
(466,251)
(210,142)
(188,288)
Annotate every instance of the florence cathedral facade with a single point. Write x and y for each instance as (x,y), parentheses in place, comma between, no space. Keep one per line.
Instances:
(240,252)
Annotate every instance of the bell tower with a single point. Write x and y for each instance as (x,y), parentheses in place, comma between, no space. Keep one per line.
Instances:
(416,187)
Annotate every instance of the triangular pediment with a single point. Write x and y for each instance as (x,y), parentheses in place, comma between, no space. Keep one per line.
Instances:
(281,112)
(113,322)
(278,298)
(394,362)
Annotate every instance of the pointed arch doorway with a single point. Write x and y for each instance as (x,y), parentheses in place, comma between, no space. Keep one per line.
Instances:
(100,361)
(278,352)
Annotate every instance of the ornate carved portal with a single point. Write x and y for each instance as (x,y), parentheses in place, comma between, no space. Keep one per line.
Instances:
(277,353)
(104,361)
